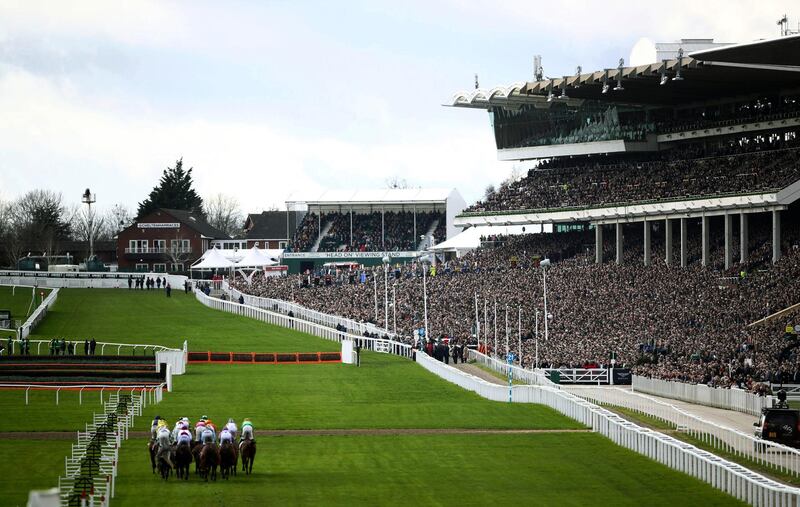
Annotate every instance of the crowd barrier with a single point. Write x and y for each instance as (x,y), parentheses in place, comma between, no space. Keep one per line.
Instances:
(299,311)
(729,477)
(38,314)
(771,454)
(265,357)
(303,326)
(729,399)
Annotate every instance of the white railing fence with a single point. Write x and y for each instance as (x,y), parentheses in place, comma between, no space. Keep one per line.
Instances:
(38,314)
(730,399)
(298,324)
(532,377)
(721,474)
(771,454)
(91,468)
(150,393)
(81,279)
(301,312)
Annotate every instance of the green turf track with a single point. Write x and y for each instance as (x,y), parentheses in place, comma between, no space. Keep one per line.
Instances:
(149,317)
(463,470)
(386,392)
(29,464)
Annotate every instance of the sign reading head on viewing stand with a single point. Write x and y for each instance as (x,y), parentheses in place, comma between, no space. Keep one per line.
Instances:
(159,225)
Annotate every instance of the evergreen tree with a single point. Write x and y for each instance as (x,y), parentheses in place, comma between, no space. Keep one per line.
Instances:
(174,191)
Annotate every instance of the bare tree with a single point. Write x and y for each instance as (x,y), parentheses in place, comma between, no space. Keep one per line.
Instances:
(488,192)
(114,220)
(222,212)
(179,251)
(41,220)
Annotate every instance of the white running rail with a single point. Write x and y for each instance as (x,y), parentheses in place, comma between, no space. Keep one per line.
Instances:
(301,312)
(730,399)
(38,314)
(298,324)
(729,477)
(780,457)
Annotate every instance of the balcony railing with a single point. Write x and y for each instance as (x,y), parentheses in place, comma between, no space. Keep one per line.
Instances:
(159,250)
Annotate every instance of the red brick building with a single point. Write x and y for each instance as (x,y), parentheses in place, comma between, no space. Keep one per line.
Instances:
(166,240)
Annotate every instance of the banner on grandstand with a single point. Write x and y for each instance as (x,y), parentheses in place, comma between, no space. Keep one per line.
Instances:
(346,255)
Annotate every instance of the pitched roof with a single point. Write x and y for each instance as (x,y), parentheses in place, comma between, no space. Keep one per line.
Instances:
(272,224)
(197,222)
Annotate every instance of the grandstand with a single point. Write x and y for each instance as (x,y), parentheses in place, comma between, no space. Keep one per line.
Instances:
(366,225)
(709,134)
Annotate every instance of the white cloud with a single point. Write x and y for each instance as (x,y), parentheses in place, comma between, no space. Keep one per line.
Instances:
(68,146)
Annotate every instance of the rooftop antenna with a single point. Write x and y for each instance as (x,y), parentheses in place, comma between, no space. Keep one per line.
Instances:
(476,81)
(538,71)
(783,23)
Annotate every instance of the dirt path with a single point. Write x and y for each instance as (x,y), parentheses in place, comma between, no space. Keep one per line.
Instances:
(483,374)
(71,435)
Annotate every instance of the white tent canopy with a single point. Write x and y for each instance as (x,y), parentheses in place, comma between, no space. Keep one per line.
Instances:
(255,258)
(213,259)
(470,239)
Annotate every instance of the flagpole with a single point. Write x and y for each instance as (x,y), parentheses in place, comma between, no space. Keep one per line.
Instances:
(477,322)
(506,329)
(519,336)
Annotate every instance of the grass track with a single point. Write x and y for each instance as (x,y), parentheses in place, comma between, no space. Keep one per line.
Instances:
(29,464)
(149,317)
(575,469)
(386,392)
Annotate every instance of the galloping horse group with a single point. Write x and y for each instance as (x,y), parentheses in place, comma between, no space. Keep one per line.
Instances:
(176,449)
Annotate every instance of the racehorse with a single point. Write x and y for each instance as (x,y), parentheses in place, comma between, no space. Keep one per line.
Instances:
(248,455)
(198,446)
(227,459)
(152,447)
(209,459)
(183,460)
(163,465)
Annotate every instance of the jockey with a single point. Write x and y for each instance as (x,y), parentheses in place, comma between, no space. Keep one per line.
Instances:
(247,431)
(154,427)
(163,437)
(199,428)
(231,426)
(225,436)
(208,436)
(210,425)
(176,429)
(184,435)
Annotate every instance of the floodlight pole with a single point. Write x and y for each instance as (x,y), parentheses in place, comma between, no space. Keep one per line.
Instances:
(88,198)
(394,308)
(386,291)
(545,264)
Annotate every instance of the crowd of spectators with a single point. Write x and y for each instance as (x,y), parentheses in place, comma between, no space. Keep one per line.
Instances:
(661,320)
(758,109)
(688,172)
(392,231)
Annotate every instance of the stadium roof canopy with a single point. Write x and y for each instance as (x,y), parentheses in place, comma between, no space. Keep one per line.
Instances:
(377,199)
(738,69)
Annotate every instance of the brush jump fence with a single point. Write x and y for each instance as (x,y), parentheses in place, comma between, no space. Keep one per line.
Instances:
(90,471)
(265,357)
(38,315)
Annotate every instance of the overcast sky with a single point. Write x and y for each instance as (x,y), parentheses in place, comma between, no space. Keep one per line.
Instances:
(268,99)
